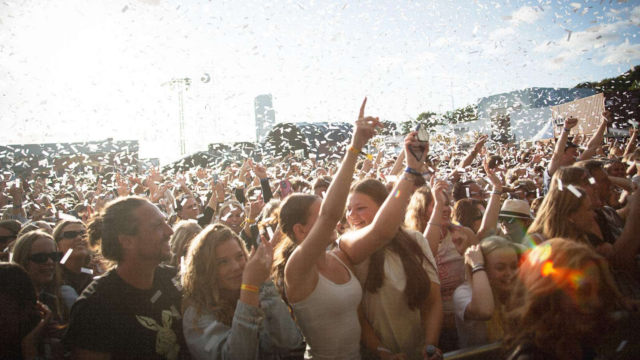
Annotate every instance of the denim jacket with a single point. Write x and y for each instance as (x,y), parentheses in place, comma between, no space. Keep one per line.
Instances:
(267,332)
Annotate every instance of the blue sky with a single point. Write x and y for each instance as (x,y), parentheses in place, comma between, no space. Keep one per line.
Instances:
(85,70)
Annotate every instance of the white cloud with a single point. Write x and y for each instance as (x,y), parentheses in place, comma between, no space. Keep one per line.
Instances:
(526,14)
(621,54)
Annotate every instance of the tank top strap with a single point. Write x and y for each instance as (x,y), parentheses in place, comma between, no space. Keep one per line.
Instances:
(343,264)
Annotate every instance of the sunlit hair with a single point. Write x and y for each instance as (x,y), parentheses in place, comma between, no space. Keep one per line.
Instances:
(117,218)
(417,217)
(569,175)
(59,229)
(550,274)
(418,283)
(183,233)
(200,275)
(293,210)
(21,251)
(552,219)
(466,212)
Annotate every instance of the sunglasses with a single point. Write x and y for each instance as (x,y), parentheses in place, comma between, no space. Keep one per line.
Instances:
(41,258)
(510,220)
(73,234)
(6,239)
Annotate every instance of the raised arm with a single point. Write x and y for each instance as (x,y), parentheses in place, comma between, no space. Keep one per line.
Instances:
(398,164)
(627,246)
(596,140)
(558,153)
(433,231)
(361,243)
(481,306)
(301,264)
(631,146)
(490,218)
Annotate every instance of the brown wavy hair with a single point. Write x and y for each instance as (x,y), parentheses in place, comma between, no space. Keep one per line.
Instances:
(200,275)
(466,212)
(416,217)
(537,312)
(410,253)
(293,210)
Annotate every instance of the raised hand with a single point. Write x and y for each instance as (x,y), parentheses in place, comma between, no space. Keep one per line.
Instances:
(473,256)
(411,140)
(607,115)
(570,122)
(491,174)
(438,192)
(260,171)
(480,143)
(258,267)
(365,128)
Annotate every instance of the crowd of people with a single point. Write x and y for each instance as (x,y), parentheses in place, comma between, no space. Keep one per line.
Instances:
(376,256)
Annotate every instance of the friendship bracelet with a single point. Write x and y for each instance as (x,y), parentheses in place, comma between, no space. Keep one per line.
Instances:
(495,192)
(249,288)
(412,171)
(567,130)
(354,150)
(477,267)
(434,224)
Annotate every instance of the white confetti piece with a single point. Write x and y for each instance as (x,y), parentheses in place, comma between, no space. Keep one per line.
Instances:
(177,284)
(574,191)
(270,232)
(560,185)
(66,256)
(621,346)
(175,312)
(87,271)
(156,296)
(592,181)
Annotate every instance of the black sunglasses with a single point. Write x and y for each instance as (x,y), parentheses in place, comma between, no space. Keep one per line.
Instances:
(6,239)
(510,220)
(73,234)
(41,258)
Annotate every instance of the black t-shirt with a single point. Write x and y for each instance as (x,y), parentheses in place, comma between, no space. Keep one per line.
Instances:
(114,317)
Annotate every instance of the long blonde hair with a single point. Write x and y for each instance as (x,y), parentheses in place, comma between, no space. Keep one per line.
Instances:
(200,275)
(537,311)
(553,216)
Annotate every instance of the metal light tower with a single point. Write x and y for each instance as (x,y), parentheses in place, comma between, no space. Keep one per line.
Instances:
(181,84)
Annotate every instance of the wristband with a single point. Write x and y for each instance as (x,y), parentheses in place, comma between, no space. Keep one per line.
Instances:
(358,152)
(434,224)
(249,288)
(17,206)
(265,179)
(383,349)
(249,221)
(477,267)
(495,193)
(567,130)
(412,171)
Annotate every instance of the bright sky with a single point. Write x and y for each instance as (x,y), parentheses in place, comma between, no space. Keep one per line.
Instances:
(79,70)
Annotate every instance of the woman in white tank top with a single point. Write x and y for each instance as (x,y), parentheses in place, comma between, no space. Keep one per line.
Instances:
(320,286)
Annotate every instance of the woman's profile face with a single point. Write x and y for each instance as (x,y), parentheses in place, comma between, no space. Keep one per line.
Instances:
(361,210)
(584,217)
(230,260)
(501,265)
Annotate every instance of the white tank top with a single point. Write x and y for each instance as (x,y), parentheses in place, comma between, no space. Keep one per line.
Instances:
(328,318)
